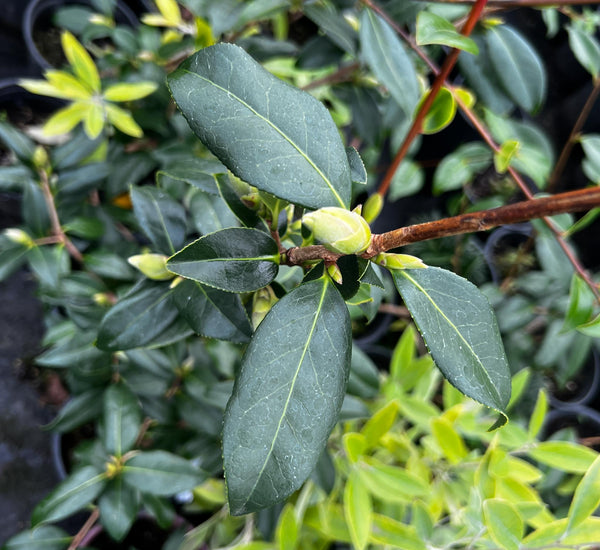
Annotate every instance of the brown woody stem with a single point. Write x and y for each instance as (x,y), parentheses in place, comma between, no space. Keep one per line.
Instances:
(573,201)
(578,126)
(439,81)
(78,538)
(523,3)
(57,229)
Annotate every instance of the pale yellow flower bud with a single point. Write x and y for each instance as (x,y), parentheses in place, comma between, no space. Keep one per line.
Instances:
(152,266)
(398,261)
(18,236)
(339,230)
(262,302)
(372,207)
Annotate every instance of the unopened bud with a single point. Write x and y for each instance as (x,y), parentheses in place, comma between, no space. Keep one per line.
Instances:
(334,272)
(372,207)
(103,299)
(262,302)
(19,236)
(40,158)
(152,265)
(398,261)
(339,230)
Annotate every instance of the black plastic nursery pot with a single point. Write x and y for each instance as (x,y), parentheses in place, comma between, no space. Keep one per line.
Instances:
(42,38)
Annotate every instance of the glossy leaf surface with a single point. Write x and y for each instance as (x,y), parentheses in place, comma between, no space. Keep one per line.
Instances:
(122,419)
(244,115)
(138,318)
(517,66)
(460,330)
(160,217)
(46,537)
(75,492)
(388,59)
(234,259)
(161,473)
(118,507)
(287,396)
(213,313)
(434,29)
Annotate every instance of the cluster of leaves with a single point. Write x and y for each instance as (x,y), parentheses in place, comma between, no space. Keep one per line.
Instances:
(193,341)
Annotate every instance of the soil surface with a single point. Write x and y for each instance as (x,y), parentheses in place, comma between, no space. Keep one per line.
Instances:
(27,472)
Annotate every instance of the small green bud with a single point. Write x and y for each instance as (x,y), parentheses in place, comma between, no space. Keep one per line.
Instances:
(152,265)
(19,236)
(40,158)
(398,261)
(335,273)
(262,302)
(339,230)
(103,299)
(372,207)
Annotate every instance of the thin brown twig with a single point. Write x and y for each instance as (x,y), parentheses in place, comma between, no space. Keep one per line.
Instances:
(528,193)
(57,229)
(573,136)
(522,3)
(341,75)
(440,79)
(78,538)
(573,201)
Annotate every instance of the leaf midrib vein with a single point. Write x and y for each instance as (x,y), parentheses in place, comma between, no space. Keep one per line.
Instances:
(278,130)
(292,386)
(451,324)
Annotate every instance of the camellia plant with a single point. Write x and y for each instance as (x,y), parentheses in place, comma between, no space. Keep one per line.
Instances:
(205,256)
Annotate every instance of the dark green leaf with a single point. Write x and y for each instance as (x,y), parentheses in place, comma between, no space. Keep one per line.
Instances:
(586,49)
(242,114)
(12,257)
(75,492)
(460,330)
(108,264)
(122,419)
(211,213)
(482,78)
(333,25)
(517,66)
(232,198)
(388,59)
(581,304)
(461,166)
(82,179)
(407,180)
(46,537)
(49,263)
(434,29)
(75,150)
(161,473)
(358,172)
(129,169)
(364,376)
(14,178)
(118,506)
(34,209)
(139,318)
(17,141)
(213,313)
(235,260)
(160,217)
(287,396)
(194,171)
(78,410)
